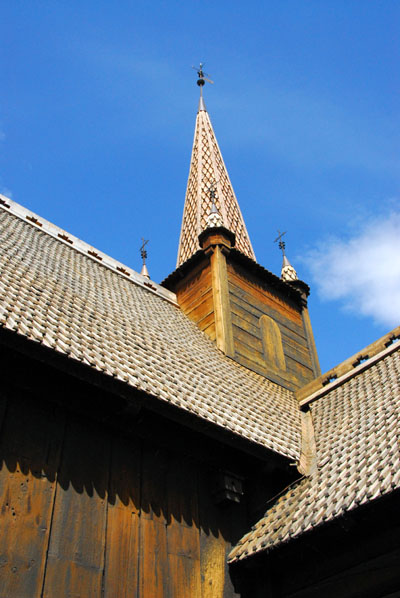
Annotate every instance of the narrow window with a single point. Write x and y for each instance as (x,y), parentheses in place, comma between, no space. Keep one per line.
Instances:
(272,343)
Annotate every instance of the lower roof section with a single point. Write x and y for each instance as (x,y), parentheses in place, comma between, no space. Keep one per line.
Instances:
(358,457)
(54,294)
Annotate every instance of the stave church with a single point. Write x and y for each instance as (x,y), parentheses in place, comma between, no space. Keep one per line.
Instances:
(178,440)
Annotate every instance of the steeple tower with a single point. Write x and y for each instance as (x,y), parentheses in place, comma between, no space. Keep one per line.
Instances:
(207,170)
(259,320)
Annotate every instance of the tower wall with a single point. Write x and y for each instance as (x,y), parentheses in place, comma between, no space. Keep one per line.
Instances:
(260,347)
(254,317)
(195,297)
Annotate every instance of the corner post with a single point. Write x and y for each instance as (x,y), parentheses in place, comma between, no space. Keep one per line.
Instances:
(217,242)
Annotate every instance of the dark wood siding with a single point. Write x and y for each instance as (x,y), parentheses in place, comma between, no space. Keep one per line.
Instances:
(249,301)
(86,511)
(195,297)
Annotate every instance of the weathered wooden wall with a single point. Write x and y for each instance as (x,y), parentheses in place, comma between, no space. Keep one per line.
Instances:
(250,299)
(195,297)
(264,329)
(87,511)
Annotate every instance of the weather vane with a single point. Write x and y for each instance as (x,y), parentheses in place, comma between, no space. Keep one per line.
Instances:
(282,244)
(212,190)
(143,251)
(202,76)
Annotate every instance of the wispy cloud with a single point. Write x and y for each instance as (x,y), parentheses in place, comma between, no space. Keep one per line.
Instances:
(362,272)
(312,129)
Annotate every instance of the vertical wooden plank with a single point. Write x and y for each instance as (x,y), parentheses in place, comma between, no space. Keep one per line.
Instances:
(76,553)
(183,539)
(30,449)
(222,309)
(212,543)
(153,563)
(220,529)
(122,543)
(311,342)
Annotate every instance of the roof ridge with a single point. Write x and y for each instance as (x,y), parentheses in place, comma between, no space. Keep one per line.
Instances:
(88,250)
(349,368)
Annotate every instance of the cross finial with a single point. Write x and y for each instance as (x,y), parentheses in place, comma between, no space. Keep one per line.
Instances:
(143,251)
(143,254)
(211,191)
(282,244)
(214,217)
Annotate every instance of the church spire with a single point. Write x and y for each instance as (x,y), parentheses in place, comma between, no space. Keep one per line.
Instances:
(207,170)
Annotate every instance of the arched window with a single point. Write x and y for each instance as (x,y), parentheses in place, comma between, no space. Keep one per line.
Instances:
(272,343)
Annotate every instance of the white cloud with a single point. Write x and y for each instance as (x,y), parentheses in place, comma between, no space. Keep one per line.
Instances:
(362,272)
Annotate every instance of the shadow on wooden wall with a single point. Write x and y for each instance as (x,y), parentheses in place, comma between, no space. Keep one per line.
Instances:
(88,511)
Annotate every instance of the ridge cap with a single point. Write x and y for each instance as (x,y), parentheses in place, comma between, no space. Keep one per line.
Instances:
(63,236)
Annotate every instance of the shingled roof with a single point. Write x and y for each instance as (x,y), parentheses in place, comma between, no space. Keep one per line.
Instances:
(59,292)
(358,456)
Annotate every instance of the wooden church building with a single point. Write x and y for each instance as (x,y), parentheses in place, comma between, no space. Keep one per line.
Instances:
(179,440)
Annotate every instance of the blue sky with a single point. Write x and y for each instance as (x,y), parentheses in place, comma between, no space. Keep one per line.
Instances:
(97,117)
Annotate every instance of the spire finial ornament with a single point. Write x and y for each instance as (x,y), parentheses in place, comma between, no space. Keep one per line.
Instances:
(143,254)
(214,218)
(202,78)
(288,273)
(282,244)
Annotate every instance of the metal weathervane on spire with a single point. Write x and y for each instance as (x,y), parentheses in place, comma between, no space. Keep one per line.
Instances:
(143,255)
(202,78)
(282,244)
(288,273)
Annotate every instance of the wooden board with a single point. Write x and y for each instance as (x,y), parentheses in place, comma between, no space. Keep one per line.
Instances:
(195,298)
(252,310)
(183,538)
(212,542)
(30,449)
(77,545)
(249,303)
(251,348)
(121,574)
(220,529)
(264,295)
(153,562)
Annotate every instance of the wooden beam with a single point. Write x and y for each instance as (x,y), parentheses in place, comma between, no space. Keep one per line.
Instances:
(223,321)
(310,341)
(348,368)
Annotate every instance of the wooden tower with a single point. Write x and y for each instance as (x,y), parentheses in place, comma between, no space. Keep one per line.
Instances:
(255,317)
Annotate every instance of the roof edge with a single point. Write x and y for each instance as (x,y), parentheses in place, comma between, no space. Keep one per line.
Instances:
(86,249)
(253,266)
(349,368)
(69,364)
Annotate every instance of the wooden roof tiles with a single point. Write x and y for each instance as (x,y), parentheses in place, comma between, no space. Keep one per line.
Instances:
(70,302)
(358,456)
(208,170)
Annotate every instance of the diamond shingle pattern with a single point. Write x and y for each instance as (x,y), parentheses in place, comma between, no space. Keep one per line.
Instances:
(207,168)
(357,432)
(55,295)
